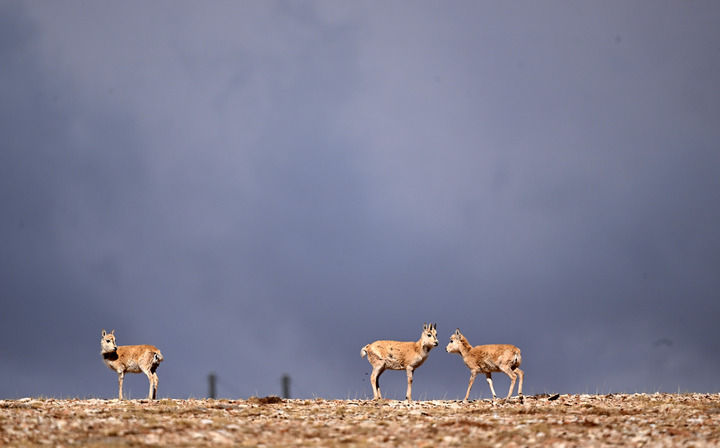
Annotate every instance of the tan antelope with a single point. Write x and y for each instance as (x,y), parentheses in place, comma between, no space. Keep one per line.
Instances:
(487,359)
(131,359)
(396,355)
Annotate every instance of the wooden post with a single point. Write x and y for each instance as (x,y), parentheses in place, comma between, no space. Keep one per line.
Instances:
(212,379)
(286,386)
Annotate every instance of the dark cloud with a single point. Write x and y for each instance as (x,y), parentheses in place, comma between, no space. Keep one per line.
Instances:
(260,189)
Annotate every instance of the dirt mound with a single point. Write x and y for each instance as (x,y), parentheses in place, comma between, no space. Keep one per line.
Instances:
(272,399)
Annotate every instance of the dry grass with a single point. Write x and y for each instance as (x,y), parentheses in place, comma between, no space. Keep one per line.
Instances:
(570,420)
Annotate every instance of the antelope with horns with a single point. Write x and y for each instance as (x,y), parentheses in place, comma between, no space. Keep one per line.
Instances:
(396,355)
(131,359)
(487,359)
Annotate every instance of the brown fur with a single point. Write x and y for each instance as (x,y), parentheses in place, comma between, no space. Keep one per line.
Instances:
(396,355)
(487,359)
(131,359)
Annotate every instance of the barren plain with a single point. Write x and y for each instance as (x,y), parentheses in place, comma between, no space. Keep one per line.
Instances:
(565,420)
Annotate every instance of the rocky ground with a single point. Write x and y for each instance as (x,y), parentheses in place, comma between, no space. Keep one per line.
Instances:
(565,420)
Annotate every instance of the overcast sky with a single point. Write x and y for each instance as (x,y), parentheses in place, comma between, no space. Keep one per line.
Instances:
(260,188)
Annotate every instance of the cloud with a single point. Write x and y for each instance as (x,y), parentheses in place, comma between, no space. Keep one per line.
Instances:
(260,188)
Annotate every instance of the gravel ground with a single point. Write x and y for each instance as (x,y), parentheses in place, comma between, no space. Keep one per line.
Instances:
(565,420)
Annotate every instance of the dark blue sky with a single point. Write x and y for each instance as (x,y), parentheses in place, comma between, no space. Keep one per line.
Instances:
(265,187)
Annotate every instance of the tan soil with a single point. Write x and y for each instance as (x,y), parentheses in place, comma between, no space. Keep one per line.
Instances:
(569,420)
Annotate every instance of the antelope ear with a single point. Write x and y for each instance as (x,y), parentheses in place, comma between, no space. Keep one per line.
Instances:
(113,332)
(457,331)
(424,326)
(434,326)
(103,333)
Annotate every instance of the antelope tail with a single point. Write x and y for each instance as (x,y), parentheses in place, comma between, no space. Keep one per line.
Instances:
(517,360)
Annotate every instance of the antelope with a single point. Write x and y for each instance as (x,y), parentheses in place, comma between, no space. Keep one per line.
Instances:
(396,355)
(131,359)
(487,359)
